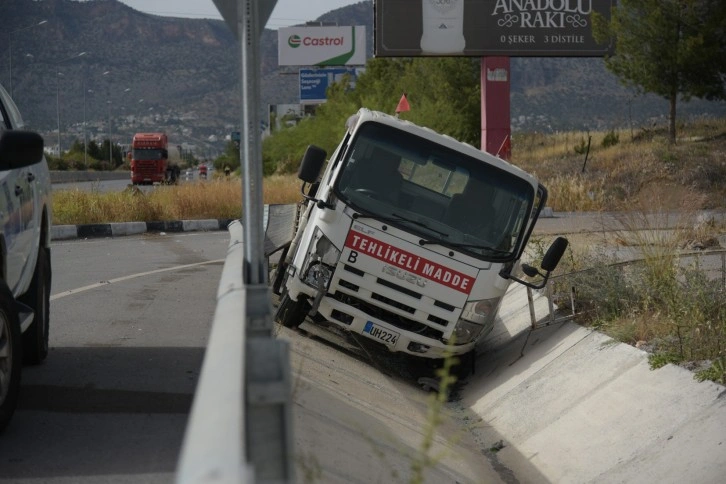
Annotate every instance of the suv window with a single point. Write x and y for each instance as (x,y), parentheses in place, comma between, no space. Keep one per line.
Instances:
(3,122)
(9,115)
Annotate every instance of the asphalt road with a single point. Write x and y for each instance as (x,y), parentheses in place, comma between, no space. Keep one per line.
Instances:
(129,322)
(130,318)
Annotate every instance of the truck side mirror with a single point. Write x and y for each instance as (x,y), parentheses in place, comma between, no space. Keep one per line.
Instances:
(19,149)
(549,262)
(311,164)
(554,254)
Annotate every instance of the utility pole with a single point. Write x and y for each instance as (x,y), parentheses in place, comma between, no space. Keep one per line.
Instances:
(10,50)
(58,75)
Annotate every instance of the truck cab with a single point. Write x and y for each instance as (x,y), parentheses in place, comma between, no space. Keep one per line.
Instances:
(408,238)
(150,159)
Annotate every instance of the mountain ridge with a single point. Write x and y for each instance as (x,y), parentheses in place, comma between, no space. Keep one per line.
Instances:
(181,75)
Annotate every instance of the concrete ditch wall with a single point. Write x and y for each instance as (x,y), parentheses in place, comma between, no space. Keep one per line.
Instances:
(570,405)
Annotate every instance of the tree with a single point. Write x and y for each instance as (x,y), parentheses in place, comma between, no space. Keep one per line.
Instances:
(670,48)
(117,157)
(230,157)
(444,95)
(94,151)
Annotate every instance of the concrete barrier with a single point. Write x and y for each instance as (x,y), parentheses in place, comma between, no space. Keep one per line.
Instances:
(571,405)
(73,176)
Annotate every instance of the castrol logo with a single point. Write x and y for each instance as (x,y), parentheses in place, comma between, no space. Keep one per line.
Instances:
(294,41)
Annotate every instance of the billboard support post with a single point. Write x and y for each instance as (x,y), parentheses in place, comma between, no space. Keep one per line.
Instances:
(495,106)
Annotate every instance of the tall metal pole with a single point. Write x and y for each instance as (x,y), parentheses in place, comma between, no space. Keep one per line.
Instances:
(58,75)
(85,138)
(57,108)
(10,51)
(269,443)
(10,61)
(250,147)
(110,152)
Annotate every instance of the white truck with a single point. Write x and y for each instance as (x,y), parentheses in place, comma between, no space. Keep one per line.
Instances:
(409,238)
(25,270)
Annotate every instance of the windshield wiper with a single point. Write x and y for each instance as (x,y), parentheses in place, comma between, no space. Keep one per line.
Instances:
(460,245)
(397,218)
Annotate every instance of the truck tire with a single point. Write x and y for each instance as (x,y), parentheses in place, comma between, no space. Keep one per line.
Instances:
(35,339)
(466,366)
(291,313)
(11,356)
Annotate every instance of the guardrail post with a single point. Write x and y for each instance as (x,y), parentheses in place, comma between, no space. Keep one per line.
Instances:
(267,388)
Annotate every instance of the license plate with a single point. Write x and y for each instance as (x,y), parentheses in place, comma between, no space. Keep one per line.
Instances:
(376,332)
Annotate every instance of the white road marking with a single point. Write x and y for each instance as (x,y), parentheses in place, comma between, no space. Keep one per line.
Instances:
(78,290)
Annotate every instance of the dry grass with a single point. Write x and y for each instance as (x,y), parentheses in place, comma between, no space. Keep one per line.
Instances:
(639,167)
(217,199)
(664,301)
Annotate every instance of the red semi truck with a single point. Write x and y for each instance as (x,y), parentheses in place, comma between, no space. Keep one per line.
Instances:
(150,160)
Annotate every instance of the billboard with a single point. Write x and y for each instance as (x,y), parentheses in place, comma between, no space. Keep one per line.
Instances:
(321,46)
(314,82)
(480,28)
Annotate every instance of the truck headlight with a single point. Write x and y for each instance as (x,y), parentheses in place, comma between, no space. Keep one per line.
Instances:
(321,261)
(477,316)
(466,332)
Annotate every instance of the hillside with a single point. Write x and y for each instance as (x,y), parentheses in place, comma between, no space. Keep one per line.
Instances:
(181,75)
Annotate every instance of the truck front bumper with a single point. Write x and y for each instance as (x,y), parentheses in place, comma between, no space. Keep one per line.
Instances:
(391,337)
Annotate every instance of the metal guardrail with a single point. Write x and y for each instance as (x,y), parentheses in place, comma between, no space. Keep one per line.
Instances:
(75,176)
(214,443)
(239,430)
(553,316)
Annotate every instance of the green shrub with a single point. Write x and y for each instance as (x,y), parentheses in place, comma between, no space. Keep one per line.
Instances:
(610,139)
(581,148)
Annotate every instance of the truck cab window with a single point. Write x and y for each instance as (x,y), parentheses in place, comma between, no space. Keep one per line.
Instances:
(400,176)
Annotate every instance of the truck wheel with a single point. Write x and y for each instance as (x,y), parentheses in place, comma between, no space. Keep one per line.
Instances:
(291,313)
(35,339)
(10,356)
(465,367)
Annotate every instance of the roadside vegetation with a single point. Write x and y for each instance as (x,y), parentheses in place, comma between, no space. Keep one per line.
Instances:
(666,295)
(220,198)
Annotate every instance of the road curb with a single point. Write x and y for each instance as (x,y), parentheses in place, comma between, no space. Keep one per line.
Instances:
(87,231)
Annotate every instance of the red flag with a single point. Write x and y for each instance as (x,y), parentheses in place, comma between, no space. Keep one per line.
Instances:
(403,104)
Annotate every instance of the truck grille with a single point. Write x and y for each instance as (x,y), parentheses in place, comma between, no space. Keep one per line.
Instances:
(391,318)
(388,309)
(146,168)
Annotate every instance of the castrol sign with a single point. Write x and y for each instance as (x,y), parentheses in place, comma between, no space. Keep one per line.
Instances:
(321,46)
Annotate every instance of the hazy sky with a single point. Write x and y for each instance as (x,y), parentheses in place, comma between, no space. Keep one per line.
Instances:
(286,13)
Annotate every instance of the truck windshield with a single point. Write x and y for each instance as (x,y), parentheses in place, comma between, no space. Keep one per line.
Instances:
(147,154)
(445,196)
